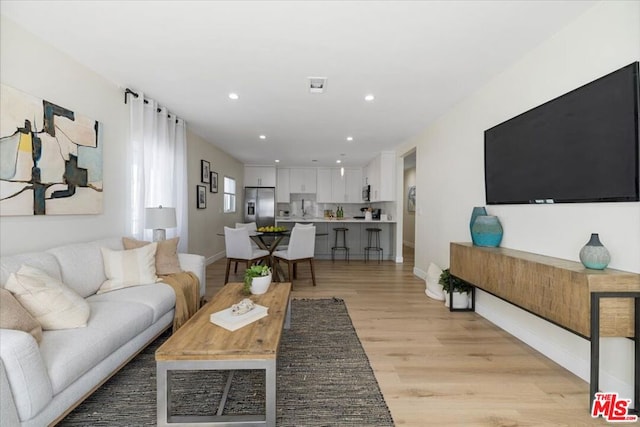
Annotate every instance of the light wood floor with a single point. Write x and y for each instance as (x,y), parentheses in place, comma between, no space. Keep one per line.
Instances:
(439,368)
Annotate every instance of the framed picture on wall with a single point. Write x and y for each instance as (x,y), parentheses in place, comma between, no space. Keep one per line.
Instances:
(201,197)
(213,184)
(205,169)
(411,199)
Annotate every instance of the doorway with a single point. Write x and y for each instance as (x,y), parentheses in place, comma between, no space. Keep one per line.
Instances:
(409,207)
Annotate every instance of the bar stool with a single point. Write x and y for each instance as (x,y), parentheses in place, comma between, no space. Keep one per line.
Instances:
(340,231)
(373,237)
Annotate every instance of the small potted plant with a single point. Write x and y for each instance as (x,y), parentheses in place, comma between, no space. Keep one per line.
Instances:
(257,279)
(460,290)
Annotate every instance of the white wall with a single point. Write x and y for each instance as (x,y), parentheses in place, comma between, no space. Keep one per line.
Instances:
(31,65)
(602,40)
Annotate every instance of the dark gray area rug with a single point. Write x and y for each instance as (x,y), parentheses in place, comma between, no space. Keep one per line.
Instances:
(323,379)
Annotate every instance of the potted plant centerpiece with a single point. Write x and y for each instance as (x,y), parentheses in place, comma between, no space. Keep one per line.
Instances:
(257,279)
(456,287)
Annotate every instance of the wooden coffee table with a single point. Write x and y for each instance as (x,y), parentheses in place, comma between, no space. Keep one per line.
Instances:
(201,345)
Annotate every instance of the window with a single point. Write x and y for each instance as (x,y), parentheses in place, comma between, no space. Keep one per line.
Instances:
(229,194)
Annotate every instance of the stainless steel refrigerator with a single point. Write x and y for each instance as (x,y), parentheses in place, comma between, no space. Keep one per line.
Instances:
(260,205)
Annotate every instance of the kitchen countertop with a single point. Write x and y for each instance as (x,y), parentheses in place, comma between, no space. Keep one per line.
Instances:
(322,219)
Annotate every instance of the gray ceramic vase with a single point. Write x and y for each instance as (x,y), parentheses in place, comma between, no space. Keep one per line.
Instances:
(594,255)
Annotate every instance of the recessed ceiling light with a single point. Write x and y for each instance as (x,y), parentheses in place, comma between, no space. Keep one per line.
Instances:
(277,161)
(369,97)
(338,161)
(349,138)
(263,137)
(233,95)
(317,84)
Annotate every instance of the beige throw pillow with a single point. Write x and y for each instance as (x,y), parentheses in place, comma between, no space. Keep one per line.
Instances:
(15,316)
(127,268)
(167,261)
(51,302)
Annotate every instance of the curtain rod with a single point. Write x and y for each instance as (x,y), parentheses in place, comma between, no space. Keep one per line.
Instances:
(135,95)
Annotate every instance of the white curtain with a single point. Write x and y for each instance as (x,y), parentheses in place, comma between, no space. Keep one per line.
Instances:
(157,167)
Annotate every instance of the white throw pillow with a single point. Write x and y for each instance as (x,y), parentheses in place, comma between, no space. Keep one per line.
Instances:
(132,267)
(51,302)
(434,289)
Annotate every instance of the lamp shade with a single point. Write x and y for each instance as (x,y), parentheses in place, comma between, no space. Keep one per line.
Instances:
(160,218)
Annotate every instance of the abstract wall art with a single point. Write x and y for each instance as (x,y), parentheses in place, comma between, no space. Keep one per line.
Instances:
(411,199)
(50,158)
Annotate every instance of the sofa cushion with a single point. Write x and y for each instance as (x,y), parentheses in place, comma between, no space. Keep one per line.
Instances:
(167,261)
(68,354)
(54,305)
(15,316)
(81,264)
(26,372)
(160,297)
(41,260)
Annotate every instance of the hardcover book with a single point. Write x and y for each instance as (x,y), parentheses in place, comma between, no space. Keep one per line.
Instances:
(226,319)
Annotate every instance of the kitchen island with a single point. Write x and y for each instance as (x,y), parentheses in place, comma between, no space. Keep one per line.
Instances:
(356,236)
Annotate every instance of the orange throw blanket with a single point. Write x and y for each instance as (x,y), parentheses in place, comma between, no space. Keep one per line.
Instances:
(187,288)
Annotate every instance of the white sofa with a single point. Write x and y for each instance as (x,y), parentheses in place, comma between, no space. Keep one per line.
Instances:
(41,383)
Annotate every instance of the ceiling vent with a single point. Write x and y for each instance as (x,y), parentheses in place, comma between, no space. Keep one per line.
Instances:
(317,84)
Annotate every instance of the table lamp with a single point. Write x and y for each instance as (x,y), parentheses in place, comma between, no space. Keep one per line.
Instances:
(159,219)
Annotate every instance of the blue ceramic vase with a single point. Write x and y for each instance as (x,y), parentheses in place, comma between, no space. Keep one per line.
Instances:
(594,255)
(476,212)
(487,231)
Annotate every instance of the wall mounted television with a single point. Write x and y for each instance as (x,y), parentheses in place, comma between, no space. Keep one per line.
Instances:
(580,147)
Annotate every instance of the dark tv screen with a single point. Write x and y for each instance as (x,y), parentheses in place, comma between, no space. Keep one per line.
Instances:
(580,147)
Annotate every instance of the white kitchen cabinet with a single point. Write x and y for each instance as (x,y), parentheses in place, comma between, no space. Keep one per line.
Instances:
(324,193)
(333,187)
(259,176)
(303,180)
(373,178)
(353,185)
(282,186)
(346,188)
(381,177)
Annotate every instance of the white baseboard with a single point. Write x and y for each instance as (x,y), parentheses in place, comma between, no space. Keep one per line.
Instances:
(216,257)
(420,273)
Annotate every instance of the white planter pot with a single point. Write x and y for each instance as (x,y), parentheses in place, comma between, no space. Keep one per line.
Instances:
(260,285)
(460,299)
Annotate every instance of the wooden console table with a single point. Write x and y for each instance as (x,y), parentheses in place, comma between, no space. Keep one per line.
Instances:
(559,291)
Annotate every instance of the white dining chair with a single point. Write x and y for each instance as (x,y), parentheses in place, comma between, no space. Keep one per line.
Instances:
(252,227)
(238,247)
(303,225)
(285,246)
(301,248)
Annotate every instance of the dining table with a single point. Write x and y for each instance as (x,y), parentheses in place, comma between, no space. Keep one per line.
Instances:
(269,241)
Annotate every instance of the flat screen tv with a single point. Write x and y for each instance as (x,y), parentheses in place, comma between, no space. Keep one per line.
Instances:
(580,147)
